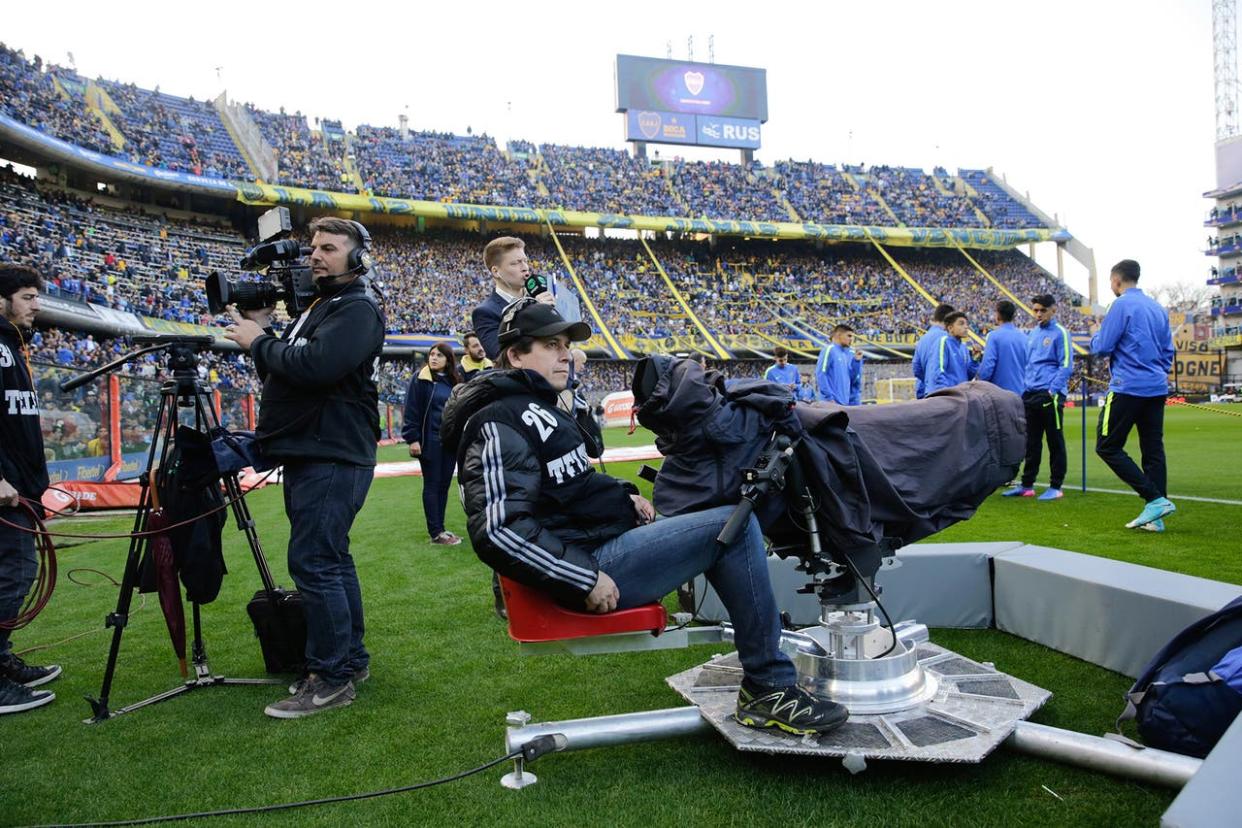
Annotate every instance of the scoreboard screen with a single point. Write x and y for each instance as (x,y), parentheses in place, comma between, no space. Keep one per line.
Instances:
(691,88)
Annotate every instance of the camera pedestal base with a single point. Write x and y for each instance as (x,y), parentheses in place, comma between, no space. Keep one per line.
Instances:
(959,711)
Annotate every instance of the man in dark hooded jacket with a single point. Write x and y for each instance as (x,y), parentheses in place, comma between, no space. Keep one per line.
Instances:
(539,513)
(23,474)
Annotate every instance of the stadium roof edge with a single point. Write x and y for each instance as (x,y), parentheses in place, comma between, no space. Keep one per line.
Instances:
(112,168)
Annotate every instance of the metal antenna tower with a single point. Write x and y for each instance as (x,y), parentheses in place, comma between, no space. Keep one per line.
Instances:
(711,48)
(690,48)
(1225,56)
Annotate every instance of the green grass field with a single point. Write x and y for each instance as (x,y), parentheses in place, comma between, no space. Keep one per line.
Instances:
(445,674)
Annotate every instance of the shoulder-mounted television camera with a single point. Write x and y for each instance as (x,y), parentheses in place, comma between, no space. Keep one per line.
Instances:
(286,273)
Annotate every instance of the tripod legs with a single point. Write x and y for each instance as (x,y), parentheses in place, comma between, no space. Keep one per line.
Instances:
(175,394)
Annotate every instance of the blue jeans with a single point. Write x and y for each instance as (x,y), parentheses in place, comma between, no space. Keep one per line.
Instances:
(651,561)
(437,465)
(18,567)
(321,501)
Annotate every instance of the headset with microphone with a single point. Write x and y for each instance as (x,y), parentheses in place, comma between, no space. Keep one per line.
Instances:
(360,261)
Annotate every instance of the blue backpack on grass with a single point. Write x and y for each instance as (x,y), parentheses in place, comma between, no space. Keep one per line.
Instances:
(1191,691)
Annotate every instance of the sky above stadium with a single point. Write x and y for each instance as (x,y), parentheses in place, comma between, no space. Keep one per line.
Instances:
(1103,111)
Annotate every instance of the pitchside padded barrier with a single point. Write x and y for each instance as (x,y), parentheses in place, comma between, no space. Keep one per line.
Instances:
(1110,613)
(1212,797)
(937,584)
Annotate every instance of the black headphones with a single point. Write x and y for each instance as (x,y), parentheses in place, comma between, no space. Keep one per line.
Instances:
(511,310)
(360,260)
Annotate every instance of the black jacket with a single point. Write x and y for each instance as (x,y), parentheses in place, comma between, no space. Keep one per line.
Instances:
(536,508)
(320,401)
(486,321)
(22,462)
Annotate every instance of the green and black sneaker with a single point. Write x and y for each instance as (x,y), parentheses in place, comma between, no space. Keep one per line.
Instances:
(791,709)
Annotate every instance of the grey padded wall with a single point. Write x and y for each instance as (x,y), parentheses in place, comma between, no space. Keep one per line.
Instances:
(1111,613)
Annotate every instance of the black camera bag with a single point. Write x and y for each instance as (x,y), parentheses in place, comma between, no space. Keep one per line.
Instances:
(280,625)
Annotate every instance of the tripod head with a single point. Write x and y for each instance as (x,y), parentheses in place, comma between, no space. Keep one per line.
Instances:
(182,352)
(840,579)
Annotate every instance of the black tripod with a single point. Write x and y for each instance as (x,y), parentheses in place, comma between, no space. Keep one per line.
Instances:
(182,391)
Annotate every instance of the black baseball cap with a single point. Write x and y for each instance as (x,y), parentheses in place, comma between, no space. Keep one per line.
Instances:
(530,317)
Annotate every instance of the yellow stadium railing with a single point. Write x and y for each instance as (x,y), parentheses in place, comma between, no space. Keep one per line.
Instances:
(901,271)
(613,344)
(719,350)
(1078,349)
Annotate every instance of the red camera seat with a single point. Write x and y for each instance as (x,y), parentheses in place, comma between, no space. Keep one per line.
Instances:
(534,617)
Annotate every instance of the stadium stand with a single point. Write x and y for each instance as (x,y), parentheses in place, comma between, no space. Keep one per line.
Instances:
(719,190)
(30,95)
(917,201)
(165,131)
(122,260)
(821,193)
(1000,208)
(606,181)
(173,133)
(434,166)
(306,159)
(151,261)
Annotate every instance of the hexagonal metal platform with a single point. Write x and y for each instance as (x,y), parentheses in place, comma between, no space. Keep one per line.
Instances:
(974,709)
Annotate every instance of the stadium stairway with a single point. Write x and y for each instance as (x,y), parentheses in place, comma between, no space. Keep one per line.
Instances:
(613,345)
(668,185)
(100,103)
(789,208)
(973,195)
(719,349)
(535,172)
(350,161)
(248,140)
(879,199)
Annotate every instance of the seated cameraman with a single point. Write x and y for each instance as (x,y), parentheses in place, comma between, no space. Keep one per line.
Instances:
(539,513)
(318,418)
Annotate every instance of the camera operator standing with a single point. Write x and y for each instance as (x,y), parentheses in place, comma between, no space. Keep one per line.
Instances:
(318,418)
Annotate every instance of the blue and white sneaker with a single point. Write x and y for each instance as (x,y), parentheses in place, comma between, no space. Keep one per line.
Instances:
(1051,494)
(1154,510)
(1018,491)
(1156,525)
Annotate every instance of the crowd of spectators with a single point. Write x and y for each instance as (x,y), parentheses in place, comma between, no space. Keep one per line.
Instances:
(917,202)
(720,190)
(602,180)
(28,94)
(1000,208)
(821,193)
(182,134)
(436,166)
(174,133)
(304,158)
(125,260)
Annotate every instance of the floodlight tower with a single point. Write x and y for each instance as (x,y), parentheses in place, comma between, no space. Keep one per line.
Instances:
(1225,54)
(1224,223)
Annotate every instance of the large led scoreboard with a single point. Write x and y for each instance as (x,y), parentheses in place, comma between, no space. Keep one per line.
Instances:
(680,102)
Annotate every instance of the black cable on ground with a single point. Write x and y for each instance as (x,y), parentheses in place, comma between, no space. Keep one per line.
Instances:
(529,752)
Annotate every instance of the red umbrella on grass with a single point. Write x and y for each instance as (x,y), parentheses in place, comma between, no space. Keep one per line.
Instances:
(167,584)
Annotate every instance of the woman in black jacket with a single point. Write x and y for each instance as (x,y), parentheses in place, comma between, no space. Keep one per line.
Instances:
(424,403)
